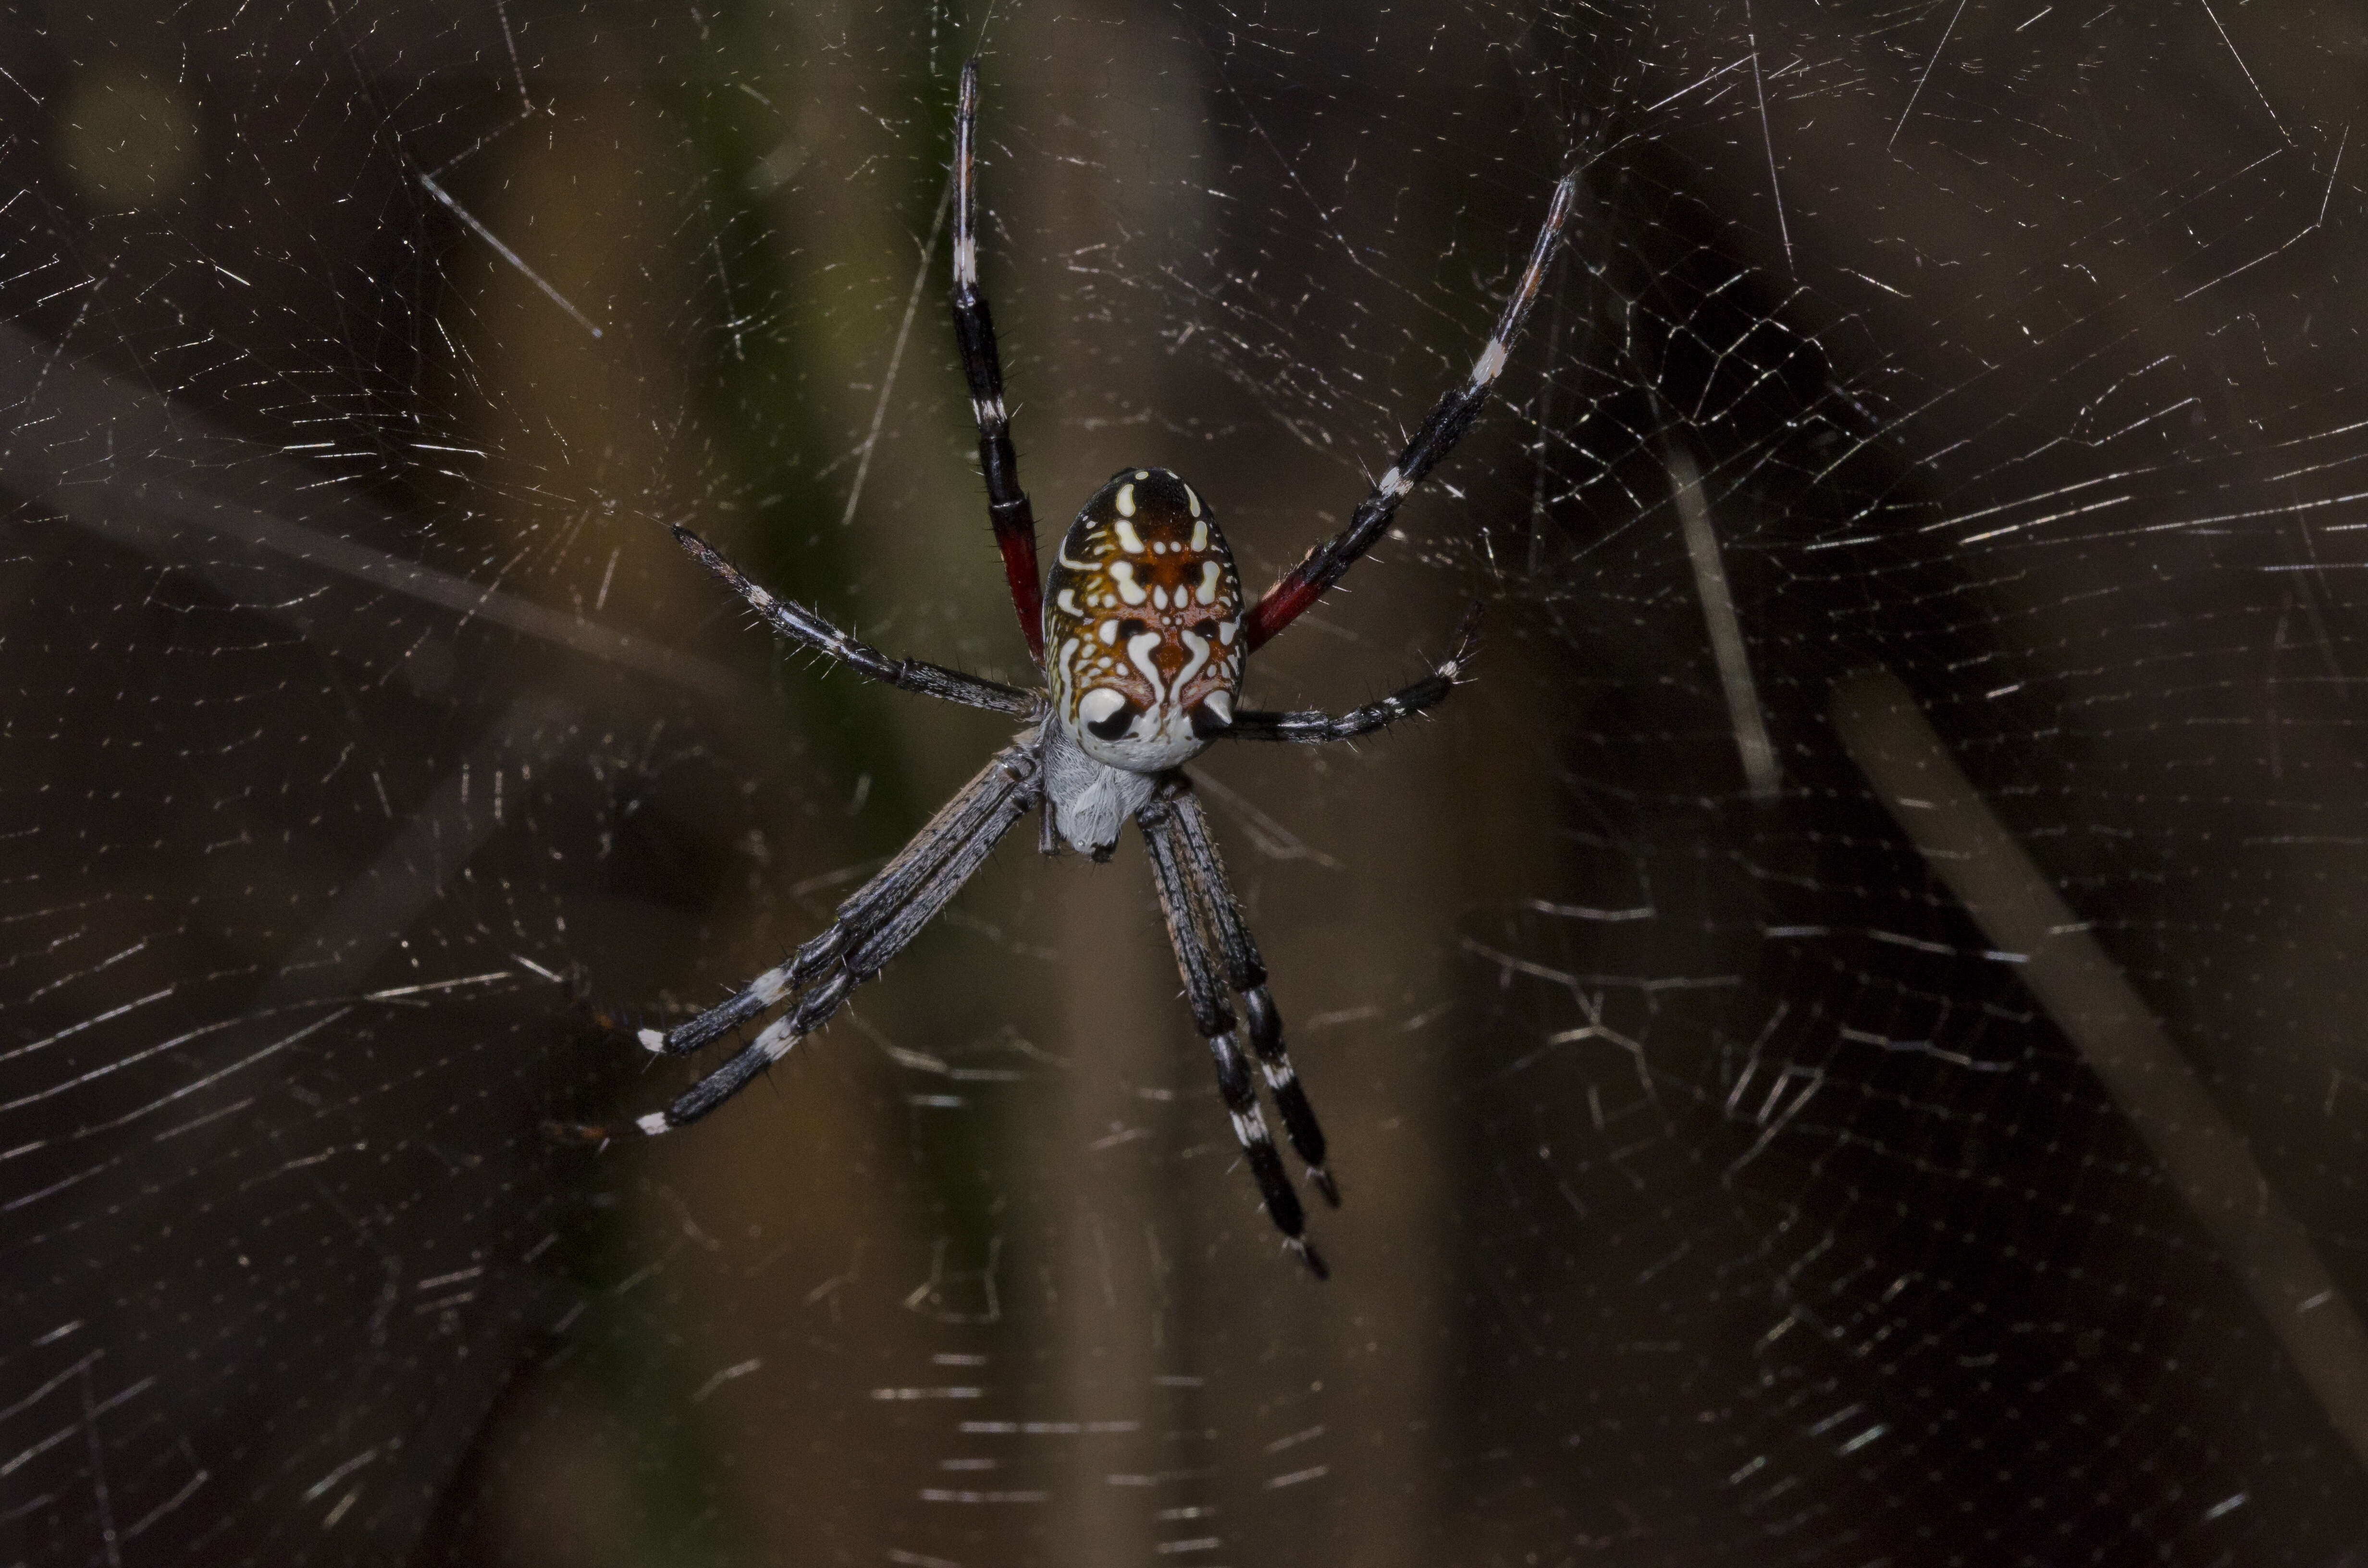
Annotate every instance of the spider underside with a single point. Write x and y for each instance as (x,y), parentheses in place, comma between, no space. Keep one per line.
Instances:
(1142,631)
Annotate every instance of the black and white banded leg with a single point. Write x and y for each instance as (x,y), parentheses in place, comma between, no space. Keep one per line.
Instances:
(958,822)
(1445,425)
(1006,505)
(1312,728)
(802,625)
(871,926)
(1220,913)
(1213,1014)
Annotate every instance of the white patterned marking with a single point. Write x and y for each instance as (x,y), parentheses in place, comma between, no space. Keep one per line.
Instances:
(1492,360)
(1122,573)
(1138,653)
(1128,540)
(652,1124)
(1193,666)
(1126,510)
(1207,592)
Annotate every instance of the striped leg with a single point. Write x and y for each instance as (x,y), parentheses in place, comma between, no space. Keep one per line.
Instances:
(1246,972)
(956,825)
(802,625)
(1213,1014)
(1300,586)
(872,926)
(1311,728)
(1006,505)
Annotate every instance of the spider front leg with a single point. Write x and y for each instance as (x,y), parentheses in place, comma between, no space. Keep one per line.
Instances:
(1312,727)
(1171,854)
(1221,915)
(871,926)
(802,625)
(958,822)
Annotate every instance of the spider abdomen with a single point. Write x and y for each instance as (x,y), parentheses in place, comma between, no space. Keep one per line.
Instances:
(1143,624)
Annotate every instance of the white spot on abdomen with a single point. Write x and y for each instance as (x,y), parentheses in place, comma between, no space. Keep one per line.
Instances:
(1122,573)
(1207,592)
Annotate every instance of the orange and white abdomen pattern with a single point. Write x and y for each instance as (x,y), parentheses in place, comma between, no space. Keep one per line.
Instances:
(1143,624)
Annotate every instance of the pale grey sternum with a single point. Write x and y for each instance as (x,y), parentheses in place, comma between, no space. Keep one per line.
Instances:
(1090,801)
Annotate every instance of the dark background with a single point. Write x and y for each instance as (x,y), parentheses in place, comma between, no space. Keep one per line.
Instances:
(1720,1189)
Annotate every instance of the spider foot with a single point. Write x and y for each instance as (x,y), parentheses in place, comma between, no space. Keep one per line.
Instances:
(1467,642)
(594,1132)
(1310,1257)
(1322,1181)
(575,1133)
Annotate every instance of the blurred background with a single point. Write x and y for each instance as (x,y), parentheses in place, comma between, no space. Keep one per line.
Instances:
(1840,1042)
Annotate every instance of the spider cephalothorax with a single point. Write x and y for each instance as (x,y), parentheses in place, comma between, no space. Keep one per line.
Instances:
(1141,632)
(1143,624)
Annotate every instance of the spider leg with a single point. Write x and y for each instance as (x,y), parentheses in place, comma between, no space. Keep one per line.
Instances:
(955,825)
(1312,728)
(1213,1014)
(1220,913)
(1449,420)
(1006,504)
(802,625)
(872,926)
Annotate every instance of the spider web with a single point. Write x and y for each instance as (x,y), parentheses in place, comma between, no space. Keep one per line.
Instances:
(1834,1039)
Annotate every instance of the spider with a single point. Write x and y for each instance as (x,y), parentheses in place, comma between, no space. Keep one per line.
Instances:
(1142,632)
